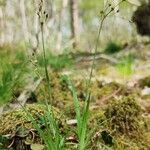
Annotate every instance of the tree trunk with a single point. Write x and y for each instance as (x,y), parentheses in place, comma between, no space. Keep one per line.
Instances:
(24,21)
(2,37)
(74,22)
(64,4)
(9,14)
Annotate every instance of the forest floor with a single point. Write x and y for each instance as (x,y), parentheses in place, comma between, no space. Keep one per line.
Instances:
(119,106)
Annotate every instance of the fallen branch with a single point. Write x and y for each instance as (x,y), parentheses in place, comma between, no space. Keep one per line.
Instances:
(90,57)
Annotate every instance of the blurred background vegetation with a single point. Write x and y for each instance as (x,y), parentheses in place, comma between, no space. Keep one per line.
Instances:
(19,24)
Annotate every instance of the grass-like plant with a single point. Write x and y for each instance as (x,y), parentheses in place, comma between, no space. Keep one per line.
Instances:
(6,84)
(82,115)
(125,66)
(112,48)
(52,137)
(12,73)
(56,62)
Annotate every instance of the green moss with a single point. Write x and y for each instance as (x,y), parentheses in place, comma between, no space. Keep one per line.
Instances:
(108,89)
(104,93)
(60,92)
(11,121)
(124,115)
(119,126)
(17,125)
(62,96)
(56,62)
(127,125)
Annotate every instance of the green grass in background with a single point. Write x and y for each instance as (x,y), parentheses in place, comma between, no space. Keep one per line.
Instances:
(12,72)
(112,48)
(125,66)
(56,62)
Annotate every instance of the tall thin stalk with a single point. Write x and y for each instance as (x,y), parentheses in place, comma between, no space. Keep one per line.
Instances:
(83,119)
(51,116)
(104,16)
(57,141)
(45,63)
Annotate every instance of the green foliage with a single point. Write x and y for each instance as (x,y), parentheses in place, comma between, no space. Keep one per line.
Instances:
(125,66)
(6,84)
(51,136)
(3,140)
(112,47)
(56,62)
(91,7)
(31,116)
(82,118)
(12,72)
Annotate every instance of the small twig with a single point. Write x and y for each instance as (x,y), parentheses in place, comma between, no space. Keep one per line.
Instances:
(33,134)
(11,144)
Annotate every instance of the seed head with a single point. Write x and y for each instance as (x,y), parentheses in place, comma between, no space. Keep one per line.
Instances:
(42,12)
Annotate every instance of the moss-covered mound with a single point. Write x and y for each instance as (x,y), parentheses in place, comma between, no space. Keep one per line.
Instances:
(60,93)
(62,96)
(124,115)
(120,126)
(18,130)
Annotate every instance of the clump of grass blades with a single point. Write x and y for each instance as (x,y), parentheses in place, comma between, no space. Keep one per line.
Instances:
(52,139)
(51,136)
(125,66)
(82,116)
(11,76)
(56,62)
(112,48)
